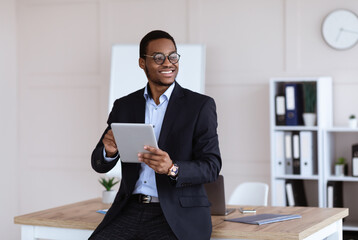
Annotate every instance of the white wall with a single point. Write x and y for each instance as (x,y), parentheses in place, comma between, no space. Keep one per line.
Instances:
(9,179)
(63,68)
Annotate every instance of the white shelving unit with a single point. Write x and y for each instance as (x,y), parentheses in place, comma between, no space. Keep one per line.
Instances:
(338,142)
(314,183)
(332,142)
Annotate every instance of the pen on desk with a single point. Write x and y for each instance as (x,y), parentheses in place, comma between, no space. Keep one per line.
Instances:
(247,210)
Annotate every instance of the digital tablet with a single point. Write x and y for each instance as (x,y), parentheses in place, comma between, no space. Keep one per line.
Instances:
(131,138)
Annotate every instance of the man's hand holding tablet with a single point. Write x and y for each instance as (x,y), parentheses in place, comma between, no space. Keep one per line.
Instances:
(137,143)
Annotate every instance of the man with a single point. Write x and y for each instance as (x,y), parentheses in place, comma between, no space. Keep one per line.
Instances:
(162,197)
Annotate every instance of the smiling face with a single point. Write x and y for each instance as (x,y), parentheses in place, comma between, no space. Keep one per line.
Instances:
(159,75)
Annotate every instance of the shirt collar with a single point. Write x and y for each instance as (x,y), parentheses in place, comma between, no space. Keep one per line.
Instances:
(167,93)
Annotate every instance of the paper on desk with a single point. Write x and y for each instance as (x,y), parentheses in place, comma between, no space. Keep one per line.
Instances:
(264,218)
(103,211)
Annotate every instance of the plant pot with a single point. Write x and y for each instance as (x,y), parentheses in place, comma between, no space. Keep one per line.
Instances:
(352,123)
(339,170)
(108,196)
(309,119)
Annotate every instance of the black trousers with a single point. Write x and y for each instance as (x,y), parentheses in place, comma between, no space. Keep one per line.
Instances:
(138,221)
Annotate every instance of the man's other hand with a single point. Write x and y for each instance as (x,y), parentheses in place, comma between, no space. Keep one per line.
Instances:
(110,144)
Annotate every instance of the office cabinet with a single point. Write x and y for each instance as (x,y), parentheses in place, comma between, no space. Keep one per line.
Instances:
(297,156)
(338,142)
(322,143)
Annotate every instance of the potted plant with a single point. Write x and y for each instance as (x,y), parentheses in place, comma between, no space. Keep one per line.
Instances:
(108,195)
(352,121)
(340,167)
(309,114)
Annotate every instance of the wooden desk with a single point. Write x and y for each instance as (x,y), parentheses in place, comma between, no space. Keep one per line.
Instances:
(80,219)
(316,223)
(77,220)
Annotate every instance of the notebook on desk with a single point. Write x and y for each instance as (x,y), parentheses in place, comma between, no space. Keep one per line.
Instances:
(261,219)
(216,194)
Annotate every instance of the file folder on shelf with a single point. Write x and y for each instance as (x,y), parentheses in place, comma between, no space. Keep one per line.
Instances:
(294,101)
(308,153)
(295,193)
(288,153)
(280,153)
(355,160)
(296,153)
(334,194)
(280,110)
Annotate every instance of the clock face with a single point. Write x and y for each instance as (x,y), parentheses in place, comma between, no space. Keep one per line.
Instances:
(340,29)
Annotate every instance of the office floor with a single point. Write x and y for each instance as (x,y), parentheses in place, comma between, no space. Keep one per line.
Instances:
(350,235)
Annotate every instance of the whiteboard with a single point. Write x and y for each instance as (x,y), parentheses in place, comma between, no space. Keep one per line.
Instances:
(127,76)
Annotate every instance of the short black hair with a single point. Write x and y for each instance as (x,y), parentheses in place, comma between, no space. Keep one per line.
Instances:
(153,35)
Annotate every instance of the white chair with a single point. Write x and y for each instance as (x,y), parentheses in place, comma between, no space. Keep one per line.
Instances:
(250,193)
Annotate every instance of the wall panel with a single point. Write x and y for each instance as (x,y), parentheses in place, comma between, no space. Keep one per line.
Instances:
(242,38)
(9,180)
(61,87)
(62,126)
(129,21)
(61,38)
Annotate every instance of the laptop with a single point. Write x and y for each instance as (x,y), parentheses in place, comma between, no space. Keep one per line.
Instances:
(216,194)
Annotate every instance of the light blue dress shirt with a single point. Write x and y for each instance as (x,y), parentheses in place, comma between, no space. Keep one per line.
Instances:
(154,114)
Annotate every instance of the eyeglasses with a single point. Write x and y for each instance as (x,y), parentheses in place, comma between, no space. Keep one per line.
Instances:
(159,58)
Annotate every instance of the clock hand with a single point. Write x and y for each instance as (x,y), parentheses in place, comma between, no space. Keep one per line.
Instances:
(349,31)
(339,34)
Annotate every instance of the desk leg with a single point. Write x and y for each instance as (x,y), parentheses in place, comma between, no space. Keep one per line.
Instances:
(330,232)
(27,232)
(338,235)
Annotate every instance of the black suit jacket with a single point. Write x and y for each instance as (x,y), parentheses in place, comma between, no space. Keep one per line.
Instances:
(189,136)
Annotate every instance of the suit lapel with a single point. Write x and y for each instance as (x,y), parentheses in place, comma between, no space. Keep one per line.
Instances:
(173,110)
(138,107)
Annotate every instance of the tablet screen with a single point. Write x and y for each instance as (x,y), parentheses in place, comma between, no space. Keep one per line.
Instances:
(131,138)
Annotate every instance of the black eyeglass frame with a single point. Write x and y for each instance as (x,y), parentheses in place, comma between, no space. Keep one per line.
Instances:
(165,56)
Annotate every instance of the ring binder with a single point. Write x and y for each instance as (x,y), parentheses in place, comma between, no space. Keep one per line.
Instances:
(293,104)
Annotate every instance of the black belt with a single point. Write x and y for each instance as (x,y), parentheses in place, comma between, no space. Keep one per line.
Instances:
(141,198)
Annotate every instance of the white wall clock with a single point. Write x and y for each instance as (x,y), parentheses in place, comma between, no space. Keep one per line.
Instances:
(340,29)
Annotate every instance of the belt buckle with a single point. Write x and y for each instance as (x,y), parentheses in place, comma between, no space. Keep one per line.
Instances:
(146,198)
